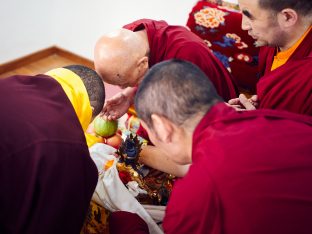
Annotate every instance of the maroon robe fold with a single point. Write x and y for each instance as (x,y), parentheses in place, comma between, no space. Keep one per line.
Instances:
(46,174)
(288,87)
(168,42)
(123,222)
(251,174)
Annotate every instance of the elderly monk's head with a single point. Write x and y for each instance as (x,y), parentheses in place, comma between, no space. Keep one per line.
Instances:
(171,100)
(121,57)
(276,23)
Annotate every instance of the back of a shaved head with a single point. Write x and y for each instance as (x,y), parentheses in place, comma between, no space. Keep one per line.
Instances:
(175,89)
(115,53)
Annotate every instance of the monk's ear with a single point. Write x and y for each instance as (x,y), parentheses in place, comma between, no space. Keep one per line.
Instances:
(287,18)
(142,65)
(163,128)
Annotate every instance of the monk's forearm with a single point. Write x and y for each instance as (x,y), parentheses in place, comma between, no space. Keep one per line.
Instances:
(130,93)
(155,158)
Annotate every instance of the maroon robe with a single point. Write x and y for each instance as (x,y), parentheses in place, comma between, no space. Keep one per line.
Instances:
(251,174)
(168,42)
(288,87)
(46,174)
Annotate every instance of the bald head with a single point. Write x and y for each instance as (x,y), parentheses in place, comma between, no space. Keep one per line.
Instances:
(118,55)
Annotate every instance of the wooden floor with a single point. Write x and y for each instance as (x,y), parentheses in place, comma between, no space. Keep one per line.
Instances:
(45,60)
(41,66)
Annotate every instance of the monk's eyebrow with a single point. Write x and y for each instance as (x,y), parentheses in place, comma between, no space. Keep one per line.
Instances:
(247,14)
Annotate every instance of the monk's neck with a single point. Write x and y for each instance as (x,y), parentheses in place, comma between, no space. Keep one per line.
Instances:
(189,127)
(143,35)
(296,35)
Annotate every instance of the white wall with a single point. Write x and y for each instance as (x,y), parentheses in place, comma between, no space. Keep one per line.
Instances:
(24,27)
(29,25)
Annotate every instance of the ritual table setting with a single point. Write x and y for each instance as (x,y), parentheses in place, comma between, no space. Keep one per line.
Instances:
(124,184)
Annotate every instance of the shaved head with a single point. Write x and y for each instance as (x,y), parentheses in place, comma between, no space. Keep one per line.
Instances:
(116,56)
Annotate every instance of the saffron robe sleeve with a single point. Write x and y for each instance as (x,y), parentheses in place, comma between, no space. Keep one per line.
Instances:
(288,87)
(46,174)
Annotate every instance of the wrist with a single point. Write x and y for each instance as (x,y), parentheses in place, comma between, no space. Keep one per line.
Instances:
(129,92)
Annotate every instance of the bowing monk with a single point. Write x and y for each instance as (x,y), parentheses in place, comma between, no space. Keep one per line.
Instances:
(141,44)
(123,57)
(250,171)
(46,174)
(283,29)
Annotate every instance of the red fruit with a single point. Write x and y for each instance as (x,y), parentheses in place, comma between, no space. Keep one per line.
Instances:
(114,141)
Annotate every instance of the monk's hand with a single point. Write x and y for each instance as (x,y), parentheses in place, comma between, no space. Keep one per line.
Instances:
(116,106)
(249,103)
(234,103)
(242,103)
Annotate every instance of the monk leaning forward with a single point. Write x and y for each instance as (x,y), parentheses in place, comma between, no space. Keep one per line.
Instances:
(46,174)
(250,171)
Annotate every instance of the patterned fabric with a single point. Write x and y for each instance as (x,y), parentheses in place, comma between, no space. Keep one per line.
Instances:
(96,220)
(219,25)
(229,5)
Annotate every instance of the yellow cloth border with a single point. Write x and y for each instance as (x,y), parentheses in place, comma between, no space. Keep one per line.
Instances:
(78,96)
(76,93)
(282,57)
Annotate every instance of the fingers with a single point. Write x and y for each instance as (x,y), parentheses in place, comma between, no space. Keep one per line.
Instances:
(109,116)
(236,107)
(242,103)
(112,117)
(115,107)
(234,101)
(254,98)
(235,104)
(245,102)
(109,109)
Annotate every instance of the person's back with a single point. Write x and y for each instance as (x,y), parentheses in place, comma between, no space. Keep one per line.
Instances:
(252,173)
(171,41)
(46,173)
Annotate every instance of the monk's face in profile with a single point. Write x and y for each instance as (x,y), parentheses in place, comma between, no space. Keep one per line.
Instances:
(261,24)
(170,138)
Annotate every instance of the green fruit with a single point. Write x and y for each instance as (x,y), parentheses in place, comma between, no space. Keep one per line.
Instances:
(105,128)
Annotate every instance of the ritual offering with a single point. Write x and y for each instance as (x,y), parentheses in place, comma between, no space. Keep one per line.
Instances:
(152,186)
(125,184)
(105,128)
(114,141)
